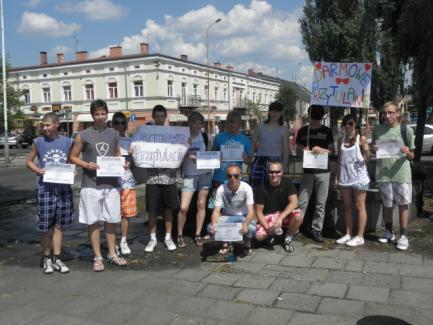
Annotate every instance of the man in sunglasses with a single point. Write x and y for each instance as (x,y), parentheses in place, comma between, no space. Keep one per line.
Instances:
(238,200)
(276,203)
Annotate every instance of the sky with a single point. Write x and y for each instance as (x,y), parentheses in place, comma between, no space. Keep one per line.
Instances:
(252,34)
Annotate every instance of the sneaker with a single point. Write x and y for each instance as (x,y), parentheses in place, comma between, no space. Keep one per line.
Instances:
(47,265)
(387,237)
(317,237)
(403,243)
(124,248)
(170,244)
(344,239)
(59,266)
(355,241)
(150,246)
(288,245)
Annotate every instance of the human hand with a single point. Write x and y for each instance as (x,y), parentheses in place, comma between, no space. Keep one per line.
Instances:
(405,150)
(211,229)
(335,185)
(316,150)
(244,229)
(91,166)
(278,223)
(40,171)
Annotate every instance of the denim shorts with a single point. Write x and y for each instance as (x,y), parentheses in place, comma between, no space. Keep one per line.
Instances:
(197,182)
(359,187)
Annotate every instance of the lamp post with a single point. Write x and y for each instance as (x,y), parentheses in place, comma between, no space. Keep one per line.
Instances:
(208,72)
(5,97)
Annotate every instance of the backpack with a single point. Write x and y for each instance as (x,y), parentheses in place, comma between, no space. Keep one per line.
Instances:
(403,131)
(205,139)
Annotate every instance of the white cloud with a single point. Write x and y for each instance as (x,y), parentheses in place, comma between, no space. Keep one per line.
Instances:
(95,9)
(40,24)
(306,75)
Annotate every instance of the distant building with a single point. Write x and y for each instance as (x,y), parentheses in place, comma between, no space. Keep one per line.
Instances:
(134,84)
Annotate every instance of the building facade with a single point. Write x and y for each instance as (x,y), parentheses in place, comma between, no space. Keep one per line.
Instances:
(135,84)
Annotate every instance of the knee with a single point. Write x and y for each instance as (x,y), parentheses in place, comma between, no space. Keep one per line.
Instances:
(298,218)
(260,237)
(183,210)
(201,205)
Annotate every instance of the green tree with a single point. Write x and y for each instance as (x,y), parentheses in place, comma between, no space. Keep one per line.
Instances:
(254,111)
(13,101)
(287,96)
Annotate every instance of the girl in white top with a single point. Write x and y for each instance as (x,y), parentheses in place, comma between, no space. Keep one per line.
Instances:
(352,178)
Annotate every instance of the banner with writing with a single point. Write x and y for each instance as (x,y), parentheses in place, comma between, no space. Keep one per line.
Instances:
(341,84)
(160,146)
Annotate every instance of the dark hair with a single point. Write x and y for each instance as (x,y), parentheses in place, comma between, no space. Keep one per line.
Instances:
(195,116)
(275,106)
(234,115)
(159,108)
(316,112)
(98,103)
(346,118)
(118,116)
(273,162)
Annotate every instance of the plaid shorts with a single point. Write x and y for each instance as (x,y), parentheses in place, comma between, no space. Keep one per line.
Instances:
(272,218)
(55,208)
(128,203)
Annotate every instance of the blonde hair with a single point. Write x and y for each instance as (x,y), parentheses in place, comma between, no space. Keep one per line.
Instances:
(391,103)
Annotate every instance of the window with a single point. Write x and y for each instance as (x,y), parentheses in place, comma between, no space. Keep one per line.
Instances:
(111,69)
(112,90)
(44,75)
(206,93)
(138,88)
(183,93)
(88,71)
(136,67)
(225,94)
(46,94)
(170,88)
(90,92)
(67,94)
(65,73)
(26,94)
(216,93)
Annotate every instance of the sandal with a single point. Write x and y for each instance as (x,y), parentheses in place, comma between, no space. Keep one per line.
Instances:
(198,240)
(224,250)
(117,260)
(247,248)
(98,264)
(180,241)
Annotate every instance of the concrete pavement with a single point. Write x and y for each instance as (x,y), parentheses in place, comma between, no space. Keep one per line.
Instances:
(317,284)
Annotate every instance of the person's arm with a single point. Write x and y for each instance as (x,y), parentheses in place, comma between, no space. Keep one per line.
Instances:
(30,161)
(365,148)
(248,219)
(299,145)
(261,217)
(292,205)
(214,219)
(337,169)
(255,139)
(75,155)
(286,150)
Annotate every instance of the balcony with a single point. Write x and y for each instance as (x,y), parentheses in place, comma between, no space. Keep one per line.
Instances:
(240,103)
(191,101)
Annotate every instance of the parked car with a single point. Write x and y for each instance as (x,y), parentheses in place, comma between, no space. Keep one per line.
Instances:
(14,140)
(427,145)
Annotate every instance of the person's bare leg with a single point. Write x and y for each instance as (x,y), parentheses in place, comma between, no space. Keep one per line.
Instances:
(387,215)
(294,225)
(124,225)
(168,220)
(152,223)
(110,234)
(201,210)
(404,216)
(57,240)
(346,195)
(362,213)
(184,206)
(46,242)
(94,239)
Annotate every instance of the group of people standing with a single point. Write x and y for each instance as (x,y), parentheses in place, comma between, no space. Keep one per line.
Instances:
(271,206)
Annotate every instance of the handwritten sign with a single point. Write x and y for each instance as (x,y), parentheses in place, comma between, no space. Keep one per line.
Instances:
(160,146)
(110,166)
(59,173)
(232,152)
(389,149)
(318,161)
(228,229)
(208,159)
(341,84)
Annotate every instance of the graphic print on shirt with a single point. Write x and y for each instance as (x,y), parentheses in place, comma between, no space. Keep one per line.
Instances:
(102,148)
(55,156)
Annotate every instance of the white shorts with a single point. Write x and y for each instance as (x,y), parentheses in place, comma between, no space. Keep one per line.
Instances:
(99,204)
(398,193)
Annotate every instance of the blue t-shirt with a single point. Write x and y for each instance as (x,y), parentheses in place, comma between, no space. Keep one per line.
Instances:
(227,138)
(52,150)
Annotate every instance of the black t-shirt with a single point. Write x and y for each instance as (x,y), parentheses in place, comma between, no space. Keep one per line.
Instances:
(321,137)
(274,199)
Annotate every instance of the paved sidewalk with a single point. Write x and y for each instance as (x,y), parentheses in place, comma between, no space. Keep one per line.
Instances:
(317,284)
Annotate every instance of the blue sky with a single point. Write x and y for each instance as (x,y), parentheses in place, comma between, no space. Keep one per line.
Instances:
(263,35)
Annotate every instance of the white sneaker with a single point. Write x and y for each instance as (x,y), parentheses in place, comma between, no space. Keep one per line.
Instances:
(387,237)
(170,244)
(355,241)
(344,239)
(59,266)
(124,248)
(48,265)
(403,243)
(150,246)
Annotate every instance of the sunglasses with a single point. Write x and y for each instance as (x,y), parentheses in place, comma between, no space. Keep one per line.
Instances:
(119,122)
(274,172)
(349,123)
(236,176)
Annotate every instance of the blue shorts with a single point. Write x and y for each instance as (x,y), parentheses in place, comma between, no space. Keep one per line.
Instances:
(359,187)
(55,208)
(197,182)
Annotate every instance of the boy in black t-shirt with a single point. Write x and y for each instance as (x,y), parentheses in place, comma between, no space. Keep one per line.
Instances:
(276,207)
(319,139)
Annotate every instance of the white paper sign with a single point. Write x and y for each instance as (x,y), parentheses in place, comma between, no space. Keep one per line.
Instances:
(228,229)
(208,159)
(341,84)
(160,146)
(232,152)
(124,146)
(59,173)
(389,149)
(110,166)
(318,161)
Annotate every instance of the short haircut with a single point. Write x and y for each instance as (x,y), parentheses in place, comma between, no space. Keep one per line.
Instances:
(195,116)
(274,162)
(159,108)
(51,117)
(278,107)
(391,103)
(119,116)
(98,103)
(233,165)
(316,112)
(234,116)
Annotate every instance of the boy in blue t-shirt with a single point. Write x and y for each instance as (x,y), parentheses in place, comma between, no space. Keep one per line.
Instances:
(55,201)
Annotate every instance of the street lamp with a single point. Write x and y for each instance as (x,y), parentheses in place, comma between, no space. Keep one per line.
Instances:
(208,72)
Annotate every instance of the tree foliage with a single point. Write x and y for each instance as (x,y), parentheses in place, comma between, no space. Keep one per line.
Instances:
(287,96)
(13,102)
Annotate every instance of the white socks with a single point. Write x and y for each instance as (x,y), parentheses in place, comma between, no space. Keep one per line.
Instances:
(167,236)
(153,236)
(123,240)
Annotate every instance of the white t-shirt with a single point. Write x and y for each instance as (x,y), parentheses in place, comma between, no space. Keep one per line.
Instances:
(235,202)
(190,166)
